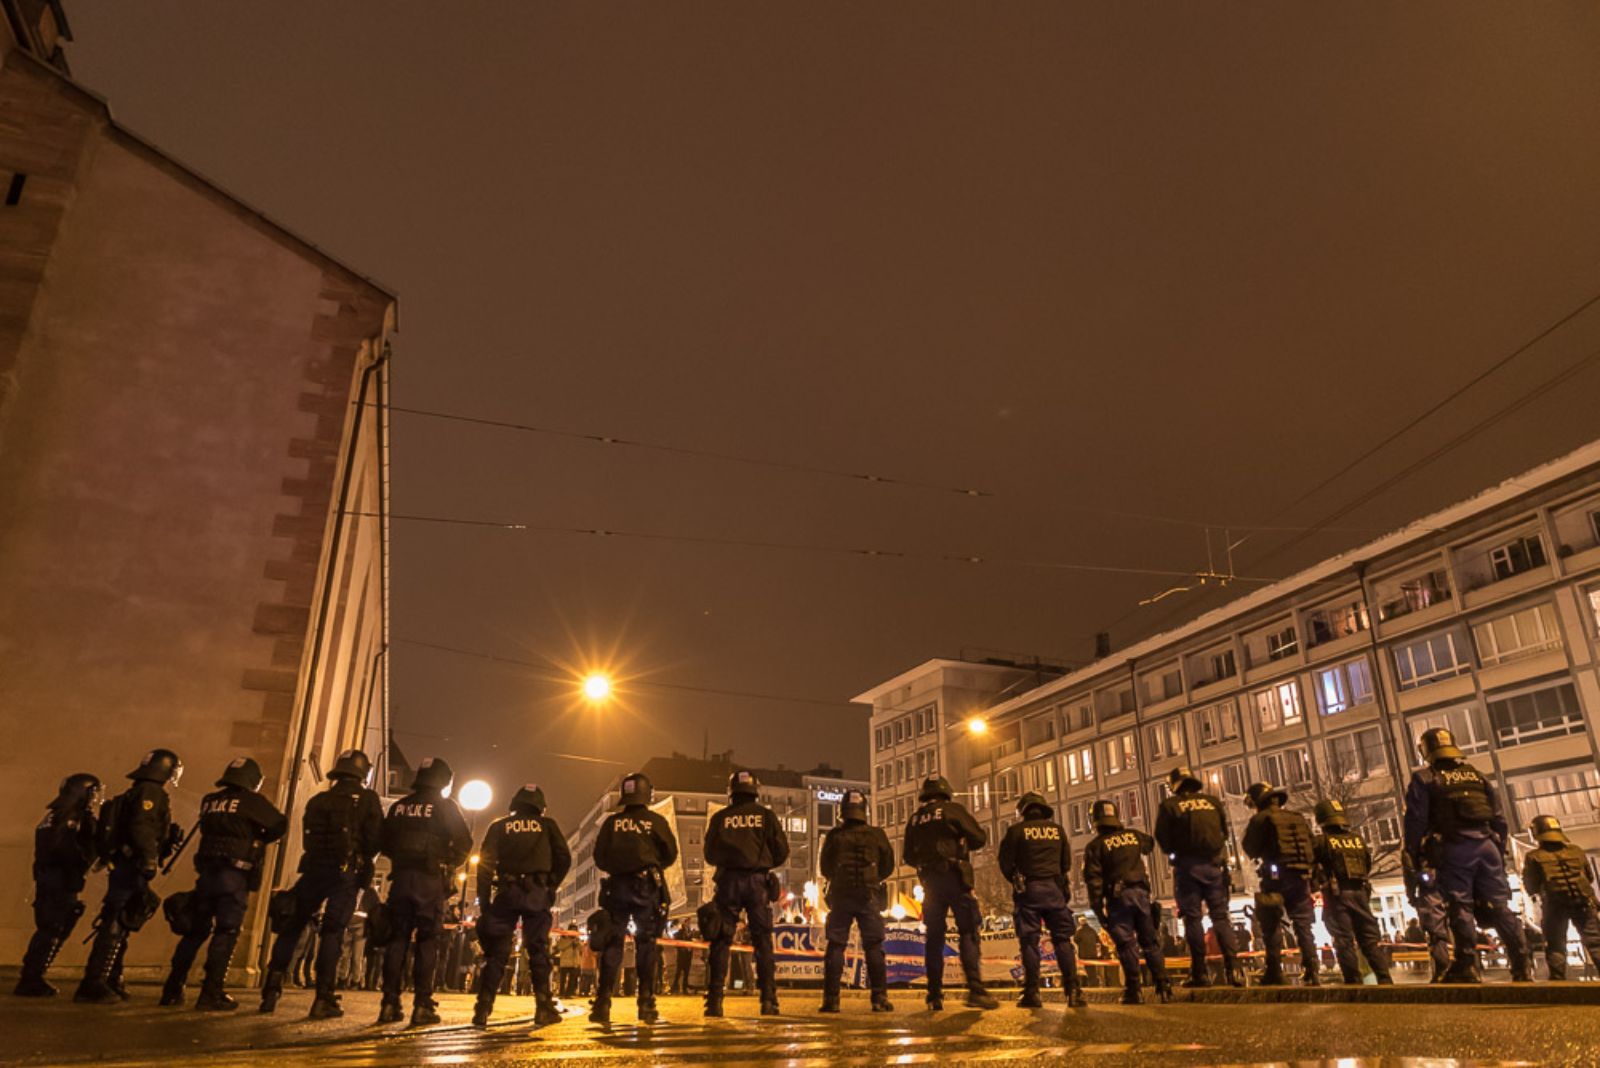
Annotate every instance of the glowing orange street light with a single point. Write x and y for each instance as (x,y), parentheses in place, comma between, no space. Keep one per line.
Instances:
(596,687)
(977,725)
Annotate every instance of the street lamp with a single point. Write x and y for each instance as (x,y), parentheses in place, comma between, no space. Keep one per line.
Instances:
(977,725)
(596,687)
(476,795)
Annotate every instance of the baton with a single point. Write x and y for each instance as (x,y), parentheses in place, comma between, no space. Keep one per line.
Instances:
(167,867)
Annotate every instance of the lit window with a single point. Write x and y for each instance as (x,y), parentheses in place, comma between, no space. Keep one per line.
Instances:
(1217,723)
(1525,632)
(1431,659)
(1278,706)
(1344,686)
(1536,714)
(1515,557)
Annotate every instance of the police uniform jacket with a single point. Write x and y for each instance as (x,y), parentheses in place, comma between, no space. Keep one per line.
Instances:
(64,841)
(1277,836)
(342,828)
(1451,799)
(1035,849)
(142,818)
(1113,859)
(235,826)
(634,840)
(523,843)
(941,833)
(1342,856)
(1193,824)
(1560,873)
(746,836)
(856,857)
(424,831)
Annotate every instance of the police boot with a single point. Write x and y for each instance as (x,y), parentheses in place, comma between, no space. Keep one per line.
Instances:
(830,1001)
(978,997)
(1385,979)
(881,1002)
(1074,991)
(546,1013)
(114,976)
(41,951)
(1461,971)
(1131,995)
(1520,973)
(1273,976)
(1164,989)
(769,1004)
(271,990)
(480,1013)
(94,989)
(1233,973)
(647,1011)
(172,991)
(1309,977)
(325,1007)
(600,1010)
(713,1003)
(423,1014)
(213,998)
(1197,980)
(1030,997)
(935,999)
(390,1011)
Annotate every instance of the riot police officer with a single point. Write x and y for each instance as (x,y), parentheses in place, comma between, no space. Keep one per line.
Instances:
(521,864)
(940,837)
(236,826)
(1557,873)
(745,842)
(1192,830)
(135,834)
(1035,857)
(1280,841)
(633,847)
(63,850)
(1451,799)
(1422,890)
(1118,883)
(426,839)
(856,859)
(1343,872)
(340,833)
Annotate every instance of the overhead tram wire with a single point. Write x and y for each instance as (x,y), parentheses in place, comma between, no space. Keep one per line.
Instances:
(631,683)
(832,550)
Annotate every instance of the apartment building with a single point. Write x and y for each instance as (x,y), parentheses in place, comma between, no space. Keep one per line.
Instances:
(806,802)
(1482,617)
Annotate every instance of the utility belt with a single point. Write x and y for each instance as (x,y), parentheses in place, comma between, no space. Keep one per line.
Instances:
(948,866)
(525,881)
(1344,883)
(217,860)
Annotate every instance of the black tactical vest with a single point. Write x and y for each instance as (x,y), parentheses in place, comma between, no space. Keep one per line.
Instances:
(1346,856)
(856,864)
(328,829)
(1196,821)
(524,845)
(1564,874)
(1458,799)
(64,839)
(1288,839)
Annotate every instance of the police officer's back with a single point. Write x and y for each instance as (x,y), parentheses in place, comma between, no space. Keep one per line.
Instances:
(236,826)
(633,847)
(63,850)
(1192,829)
(341,830)
(1281,841)
(1118,884)
(941,836)
(1343,872)
(1558,874)
(856,859)
(744,842)
(1451,803)
(135,833)
(522,862)
(426,839)
(1035,856)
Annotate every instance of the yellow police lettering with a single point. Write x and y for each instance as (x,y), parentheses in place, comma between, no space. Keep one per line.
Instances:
(1120,839)
(628,825)
(746,822)
(219,804)
(523,827)
(417,810)
(1047,833)
(1195,804)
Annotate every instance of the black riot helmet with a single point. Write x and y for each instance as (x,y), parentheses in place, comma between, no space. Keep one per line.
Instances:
(854,806)
(80,788)
(1104,815)
(1330,813)
(935,788)
(636,789)
(1438,743)
(1262,794)
(352,764)
(159,766)
(1547,830)
(1182,780)
(1034,802)
(531,796)
(744,784)
(243,773)
(433,774)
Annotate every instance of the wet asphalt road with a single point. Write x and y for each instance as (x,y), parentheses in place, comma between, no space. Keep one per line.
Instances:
(1181,1034)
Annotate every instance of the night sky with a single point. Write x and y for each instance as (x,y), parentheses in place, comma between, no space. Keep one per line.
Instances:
(1131,269)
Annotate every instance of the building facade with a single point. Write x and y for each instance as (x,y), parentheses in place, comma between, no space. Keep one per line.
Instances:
(1484,618)
(806,802)
(192,476)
